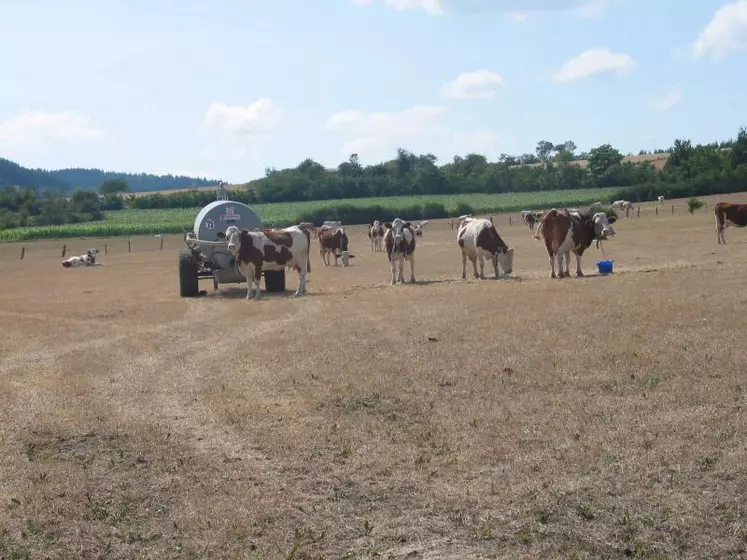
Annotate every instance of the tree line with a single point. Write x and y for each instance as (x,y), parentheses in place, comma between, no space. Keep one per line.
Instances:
(68,180)
(27,206)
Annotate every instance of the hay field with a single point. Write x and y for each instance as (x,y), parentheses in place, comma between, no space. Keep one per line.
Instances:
(600,417)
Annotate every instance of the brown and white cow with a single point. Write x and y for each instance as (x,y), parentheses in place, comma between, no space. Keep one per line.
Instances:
(399,240)
(271,249)
(729,214)
(565,232)
(376,235)
(86,259)
(478,240)
(334,241)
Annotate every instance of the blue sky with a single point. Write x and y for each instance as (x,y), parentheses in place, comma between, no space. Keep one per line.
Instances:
(228,87)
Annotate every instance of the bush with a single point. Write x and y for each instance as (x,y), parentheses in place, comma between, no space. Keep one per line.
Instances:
(694,204)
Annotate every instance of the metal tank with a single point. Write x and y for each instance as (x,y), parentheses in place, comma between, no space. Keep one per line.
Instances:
(215,218)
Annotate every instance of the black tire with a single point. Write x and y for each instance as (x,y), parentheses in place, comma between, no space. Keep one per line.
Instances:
(189,285)
(274,280)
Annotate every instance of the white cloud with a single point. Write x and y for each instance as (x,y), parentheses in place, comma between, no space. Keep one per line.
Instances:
(592,62)
(421,129)
(480,84)
(236,121)
(433,7)
(725,34)
(669,100)
(39,127)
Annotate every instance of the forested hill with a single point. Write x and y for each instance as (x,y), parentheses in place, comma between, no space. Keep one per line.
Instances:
(13,174)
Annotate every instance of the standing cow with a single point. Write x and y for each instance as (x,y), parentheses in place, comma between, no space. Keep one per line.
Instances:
(399,240)
(566,232)
(334,241)
(376,235)
(728,214)
(478,239)
(271,249)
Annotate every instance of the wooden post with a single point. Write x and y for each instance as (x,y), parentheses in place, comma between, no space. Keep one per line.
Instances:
(657,210)
(23,252)
(672,209)
(106,249)
(639,211)
(161,248)
(64,248)
(129,246)
(509,220)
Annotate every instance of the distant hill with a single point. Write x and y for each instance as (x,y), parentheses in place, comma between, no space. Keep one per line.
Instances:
(12,174)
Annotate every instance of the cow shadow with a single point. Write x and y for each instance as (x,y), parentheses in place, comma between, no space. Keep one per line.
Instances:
(240,293)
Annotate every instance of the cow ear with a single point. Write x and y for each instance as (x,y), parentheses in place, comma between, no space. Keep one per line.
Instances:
(388,225)
(406,224)
(612,219)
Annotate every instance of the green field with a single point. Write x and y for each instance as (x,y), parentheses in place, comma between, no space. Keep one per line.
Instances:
(172,220)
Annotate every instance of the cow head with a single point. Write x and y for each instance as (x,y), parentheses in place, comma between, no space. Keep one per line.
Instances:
(505,258)
(401,231)
(233,236)
(603,225)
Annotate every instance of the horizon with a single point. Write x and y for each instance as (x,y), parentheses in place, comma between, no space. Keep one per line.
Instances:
(225,91)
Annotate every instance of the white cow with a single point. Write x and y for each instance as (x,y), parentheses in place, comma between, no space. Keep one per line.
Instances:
(376,235)
(478,239)
(272,249)
(661,200)
(399,241)
(86,259)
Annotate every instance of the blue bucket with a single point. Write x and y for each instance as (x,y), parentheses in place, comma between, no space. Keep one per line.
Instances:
(605,267)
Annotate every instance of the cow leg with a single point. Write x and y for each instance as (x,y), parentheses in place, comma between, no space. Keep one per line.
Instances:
(561,269)
(301,282)
(579,272)
(552,265)
(393,268)
(474,265)
(412,268)
(482,266)
(464,265)
(401,276)
(495,266)
(567,264)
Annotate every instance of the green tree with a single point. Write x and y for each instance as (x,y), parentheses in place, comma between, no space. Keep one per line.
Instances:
(114,186)
(602,158)
(544,150)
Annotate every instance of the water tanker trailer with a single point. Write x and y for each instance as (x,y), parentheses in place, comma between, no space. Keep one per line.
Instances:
(207,255)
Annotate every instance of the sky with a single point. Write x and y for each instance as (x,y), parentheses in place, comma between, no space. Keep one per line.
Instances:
(227,88)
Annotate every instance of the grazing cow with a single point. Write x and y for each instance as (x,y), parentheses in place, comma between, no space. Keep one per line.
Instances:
(566,232)
(399,241)
(661,200)
(376,235)
(728,214)
(334,241)
(86,259)
(478,239)
(271,249)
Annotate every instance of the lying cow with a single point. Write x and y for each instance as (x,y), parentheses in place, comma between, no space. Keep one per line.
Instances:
(728,214)
(334,241)
(478,239)
(565,232)
(399,241)
(86,259)
(271,249)
(376,235)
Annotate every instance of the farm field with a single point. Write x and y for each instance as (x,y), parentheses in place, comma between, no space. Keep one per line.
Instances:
(172,220)
(597,417)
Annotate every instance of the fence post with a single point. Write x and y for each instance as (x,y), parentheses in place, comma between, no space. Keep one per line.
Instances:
(672,209)
(639,212)
(23,252)
(64,248)
(129,246)
(106,249)
(657,210)
(161,248)
(509,220)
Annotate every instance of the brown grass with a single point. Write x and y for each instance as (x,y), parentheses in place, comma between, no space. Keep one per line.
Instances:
(657,160)
(528,418)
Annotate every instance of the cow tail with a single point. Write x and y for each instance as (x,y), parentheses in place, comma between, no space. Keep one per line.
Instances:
(308,252)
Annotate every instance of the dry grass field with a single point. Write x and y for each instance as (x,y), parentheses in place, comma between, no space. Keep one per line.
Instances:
(598,417)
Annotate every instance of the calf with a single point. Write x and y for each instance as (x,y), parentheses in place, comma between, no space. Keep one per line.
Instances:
(399,240)
(271,249)
(728,214)
(376,235)
(334,241)
(565,232)
(478,239)
(86,259)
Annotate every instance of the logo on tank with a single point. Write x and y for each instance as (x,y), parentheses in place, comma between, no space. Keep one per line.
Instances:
(230,215)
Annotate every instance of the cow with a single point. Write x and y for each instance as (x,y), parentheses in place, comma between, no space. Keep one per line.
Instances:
(478,239)
(661,200)
(271,249)
(531,217)
(399,240)
(86,259)
(565,232)
(334,241)
(332,224)
(418,229)
(376,235)
(728,214)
